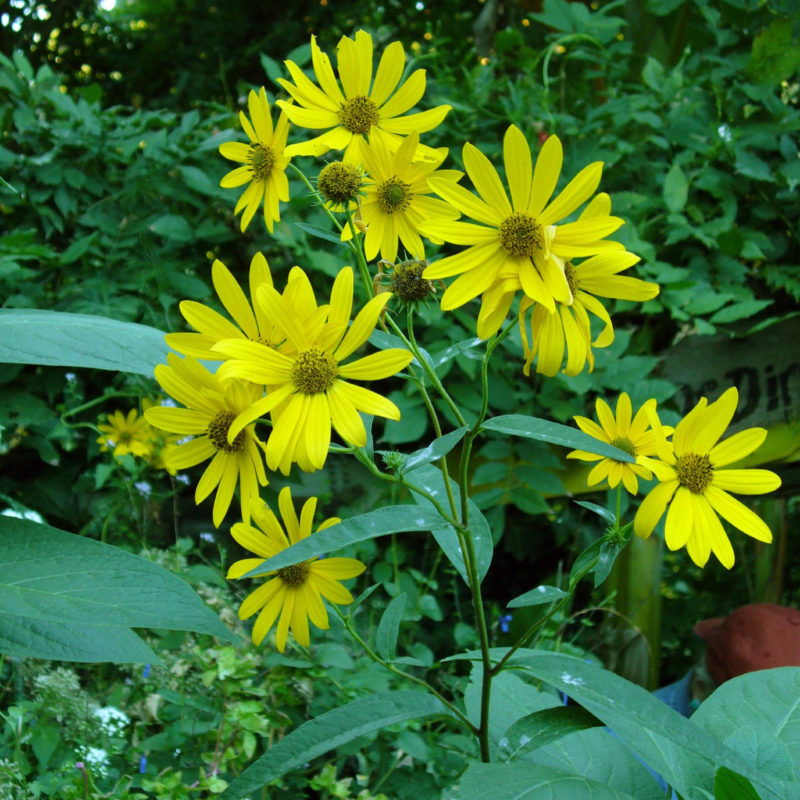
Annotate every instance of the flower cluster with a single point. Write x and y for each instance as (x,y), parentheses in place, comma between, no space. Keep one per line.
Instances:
(693,469)
(131,434)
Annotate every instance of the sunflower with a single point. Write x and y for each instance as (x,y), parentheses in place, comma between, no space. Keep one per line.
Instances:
(253,324)
(126,434)
(360,106)
(569,327)
(309,383)
(518,245)
(695,485)
(396,198)
(265,160)
(633,436)
(211,404)
(295,592)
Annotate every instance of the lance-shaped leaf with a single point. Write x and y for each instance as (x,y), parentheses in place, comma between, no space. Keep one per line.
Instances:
(389,627)
(537,597)
(467,348)
(431,479)
(435,450)
(392,519)
(61,339)
(50,578)
(730,786)
(330,730)
(543,727)
(555,433)
(386,341)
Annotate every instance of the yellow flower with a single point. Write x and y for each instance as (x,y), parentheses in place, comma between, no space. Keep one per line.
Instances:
(569,327)
(127,434)
(265,160)
(211,405)
(295,592)
(311,380)
(633,436)
(360,107)
(695,485)
(395,198)
(517,245)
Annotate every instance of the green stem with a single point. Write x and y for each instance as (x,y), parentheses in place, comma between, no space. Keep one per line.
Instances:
(358,250)
(413,678)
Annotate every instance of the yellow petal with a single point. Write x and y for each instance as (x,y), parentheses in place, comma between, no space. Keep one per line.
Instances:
(577,191)
(738,514)
(519,169)
(486,180)
(652,508)
(545,175)
(746,481)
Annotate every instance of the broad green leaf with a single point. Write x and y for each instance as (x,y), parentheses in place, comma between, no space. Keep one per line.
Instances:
(391,519)
(730,786)
(758,715)
(676,188)
(598,755)
(330,730)
(385,341)
(684,754)
(522,781)
(431,478)
(61,339)
(543,727)
(538,596)
(512,699)
(389,627)
(555,433)
(173,226)
(22,637)
(742,310)
(435,450)
(50,578)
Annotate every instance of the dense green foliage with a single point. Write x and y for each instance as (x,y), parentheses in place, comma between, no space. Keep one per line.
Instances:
(111,205)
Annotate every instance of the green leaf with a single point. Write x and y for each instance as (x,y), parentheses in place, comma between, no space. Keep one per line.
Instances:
(741,310)
(272,69)
(330,730)
(196,179)
(64,641)
(389,626)
(319,233)
(61,339)
(521,781)
(758,714)
(751,166)
(676,188)
(653,74)
(391,519)
(537,597)
(173,226)
(435,450)
(543,727)
(466,348)
(774,56)
(431,479)
(679,750)
(601,511)
(51,580)
(555,433)
(730,786)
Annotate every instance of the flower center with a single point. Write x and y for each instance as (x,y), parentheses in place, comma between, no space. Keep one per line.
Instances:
(408,283)
(294,576)
(520,235)
(339,182)
(125,437)
(625,444)
(393,195)
(573,282)
(695,472)
(313,371)
(261,160)
(218,433)
(359,114)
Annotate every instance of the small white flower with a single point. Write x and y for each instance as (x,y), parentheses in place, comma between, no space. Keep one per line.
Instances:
(112,720)
(97,759)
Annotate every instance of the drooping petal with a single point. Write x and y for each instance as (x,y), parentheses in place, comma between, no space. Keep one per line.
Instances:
(738,514)
(652,508)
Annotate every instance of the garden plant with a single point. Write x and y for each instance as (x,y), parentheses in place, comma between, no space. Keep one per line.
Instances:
(380,399)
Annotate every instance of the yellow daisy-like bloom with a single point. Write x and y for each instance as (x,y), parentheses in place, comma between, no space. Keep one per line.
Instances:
(253,323)
(126,434)
(360,107)
(211,405)
(629,433)
(311,380)
(517,245)
(295,592)
(265,160)
(695,485)
(396,198)
(569,327)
